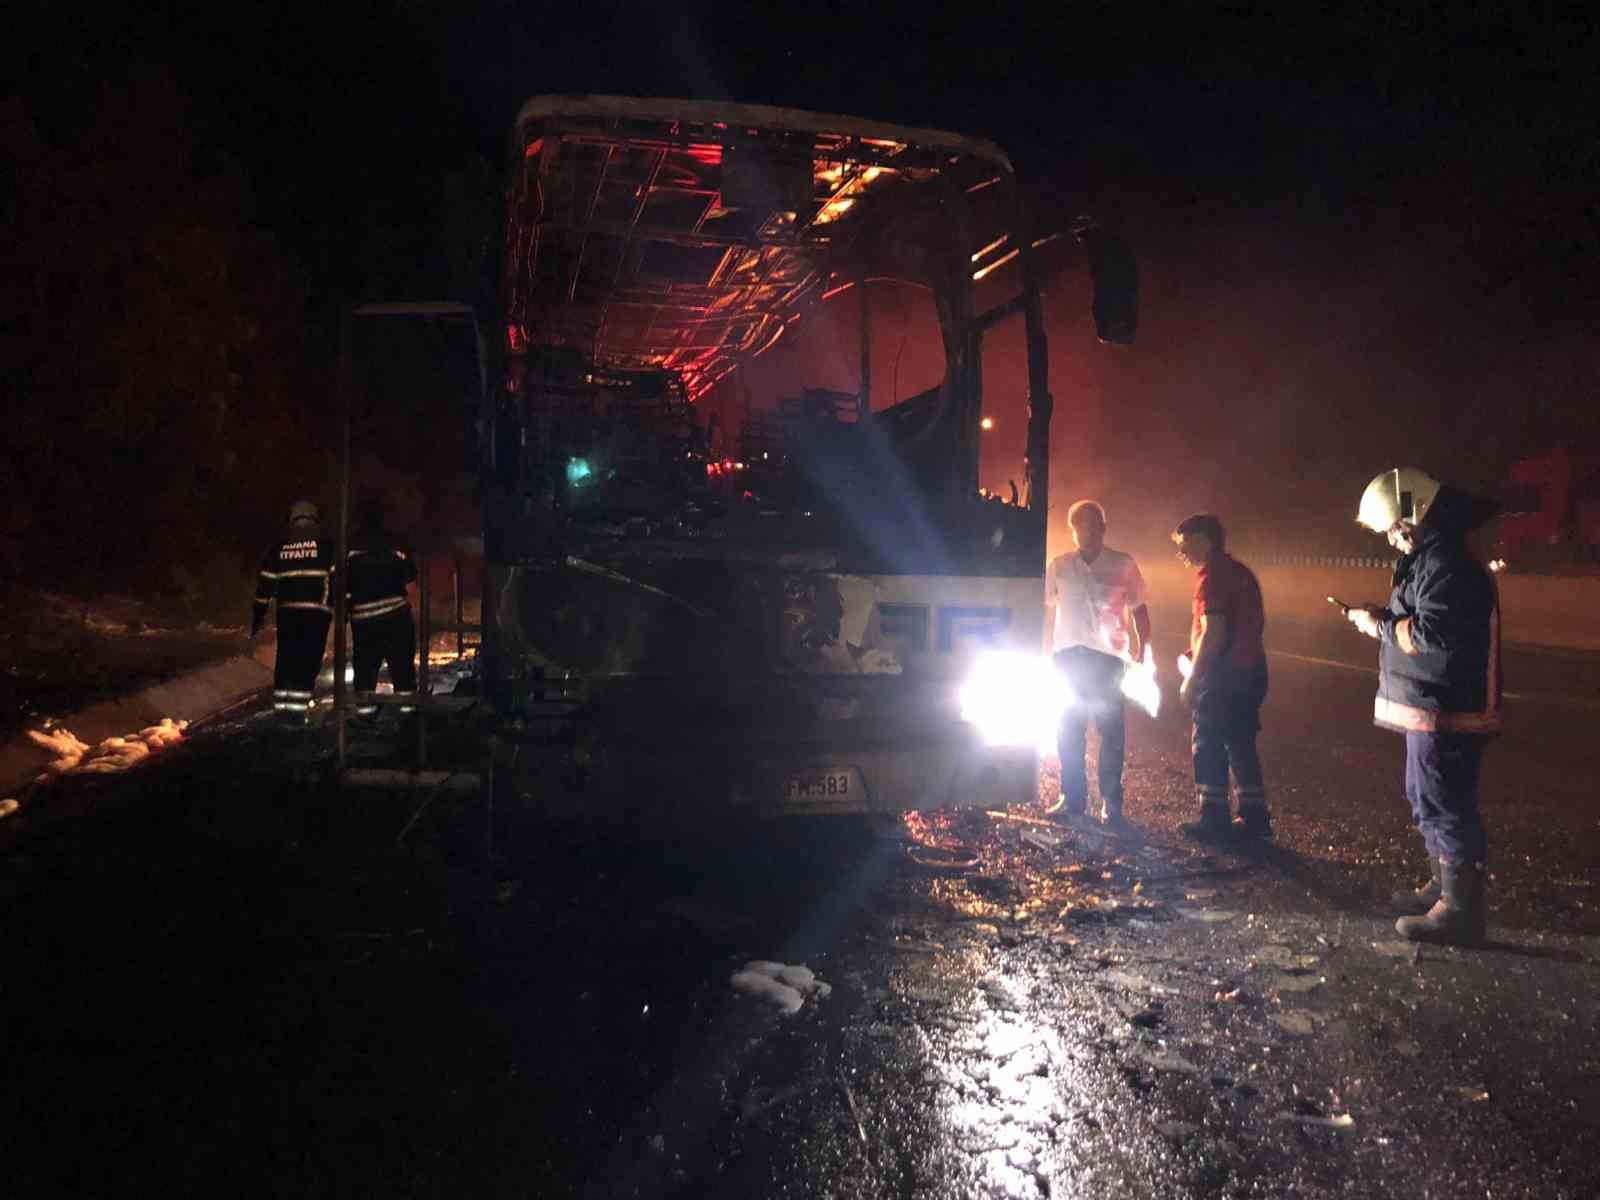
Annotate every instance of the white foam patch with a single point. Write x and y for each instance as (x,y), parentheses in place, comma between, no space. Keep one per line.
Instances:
(74,756)
(779,984)
(780,995)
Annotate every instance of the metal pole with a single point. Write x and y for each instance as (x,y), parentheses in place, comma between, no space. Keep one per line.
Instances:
(864,397)
(422,665)
(1041,406)
(455,587)
(488,799)
(973,356)
(344,403)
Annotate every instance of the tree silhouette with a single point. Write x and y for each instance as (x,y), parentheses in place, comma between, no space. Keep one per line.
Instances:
(161,403)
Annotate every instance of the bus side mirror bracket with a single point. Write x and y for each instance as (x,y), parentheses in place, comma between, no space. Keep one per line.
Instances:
(1115,276)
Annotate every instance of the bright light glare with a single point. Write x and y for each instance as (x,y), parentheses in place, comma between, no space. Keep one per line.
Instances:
(1185,665)
(1015,699)
(986,424)
(1139,684)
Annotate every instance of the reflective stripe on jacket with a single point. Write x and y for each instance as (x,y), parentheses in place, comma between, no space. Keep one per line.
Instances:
(377,580)
(297,572)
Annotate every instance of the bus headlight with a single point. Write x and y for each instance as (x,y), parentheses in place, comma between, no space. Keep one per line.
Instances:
(1015,699)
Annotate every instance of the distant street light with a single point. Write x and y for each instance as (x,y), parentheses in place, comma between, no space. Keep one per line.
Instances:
(986,424)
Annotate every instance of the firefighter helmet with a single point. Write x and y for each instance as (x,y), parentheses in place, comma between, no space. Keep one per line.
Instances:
(303,510)
(1401,494)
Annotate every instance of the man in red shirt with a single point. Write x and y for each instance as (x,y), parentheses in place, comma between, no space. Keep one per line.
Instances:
(1227,683)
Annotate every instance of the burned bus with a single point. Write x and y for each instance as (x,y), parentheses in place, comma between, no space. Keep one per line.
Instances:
(818,612)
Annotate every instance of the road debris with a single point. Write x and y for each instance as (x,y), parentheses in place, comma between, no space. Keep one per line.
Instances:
(1177,1131)
(1019,818)
(941,858)
(855,1111)
(1043,839)
(1147,1018)
(918,945)
(925,995)
(1407,950)
(1297,1023)
(1209,915)
(1165,1060)
(1339,1121)
(1133,981)
(1275,955)
(1282,981)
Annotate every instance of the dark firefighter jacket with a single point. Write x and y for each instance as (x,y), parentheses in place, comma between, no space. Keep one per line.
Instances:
(296,571)
(377,578)
(1439,664)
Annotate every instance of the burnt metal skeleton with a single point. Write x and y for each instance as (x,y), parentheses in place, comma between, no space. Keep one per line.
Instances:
(779,618)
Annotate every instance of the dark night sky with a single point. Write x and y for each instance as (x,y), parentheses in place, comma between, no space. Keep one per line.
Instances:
(1346,223)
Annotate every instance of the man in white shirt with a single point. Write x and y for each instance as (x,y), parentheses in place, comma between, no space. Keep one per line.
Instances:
(1102,622)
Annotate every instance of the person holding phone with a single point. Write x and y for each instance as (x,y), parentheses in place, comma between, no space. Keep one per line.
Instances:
(1439,684)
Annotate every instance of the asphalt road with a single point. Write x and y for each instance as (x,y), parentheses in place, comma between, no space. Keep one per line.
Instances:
(223,975)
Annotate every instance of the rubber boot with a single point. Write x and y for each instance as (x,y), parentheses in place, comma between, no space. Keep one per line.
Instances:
(1214,825)
(1458,917)
(1111,818)
(1255,823)
(1416,901)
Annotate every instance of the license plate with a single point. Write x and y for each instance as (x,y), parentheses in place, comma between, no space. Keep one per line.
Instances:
(824,786)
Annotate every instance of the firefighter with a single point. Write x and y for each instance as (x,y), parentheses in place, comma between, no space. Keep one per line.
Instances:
(297,572)
(1438,684)
(380,611)
(1226,684)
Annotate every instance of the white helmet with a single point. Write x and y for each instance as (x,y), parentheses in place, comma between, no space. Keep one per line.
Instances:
(1401,494)
(303,510)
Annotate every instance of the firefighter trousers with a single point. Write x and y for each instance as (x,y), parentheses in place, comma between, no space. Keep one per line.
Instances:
(1442,785)
(302,634)
(390,638)
(1227,718)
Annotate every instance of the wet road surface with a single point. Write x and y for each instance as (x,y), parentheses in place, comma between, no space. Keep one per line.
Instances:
(222,974)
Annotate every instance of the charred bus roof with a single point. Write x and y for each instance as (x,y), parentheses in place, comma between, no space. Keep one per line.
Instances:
(687,235)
